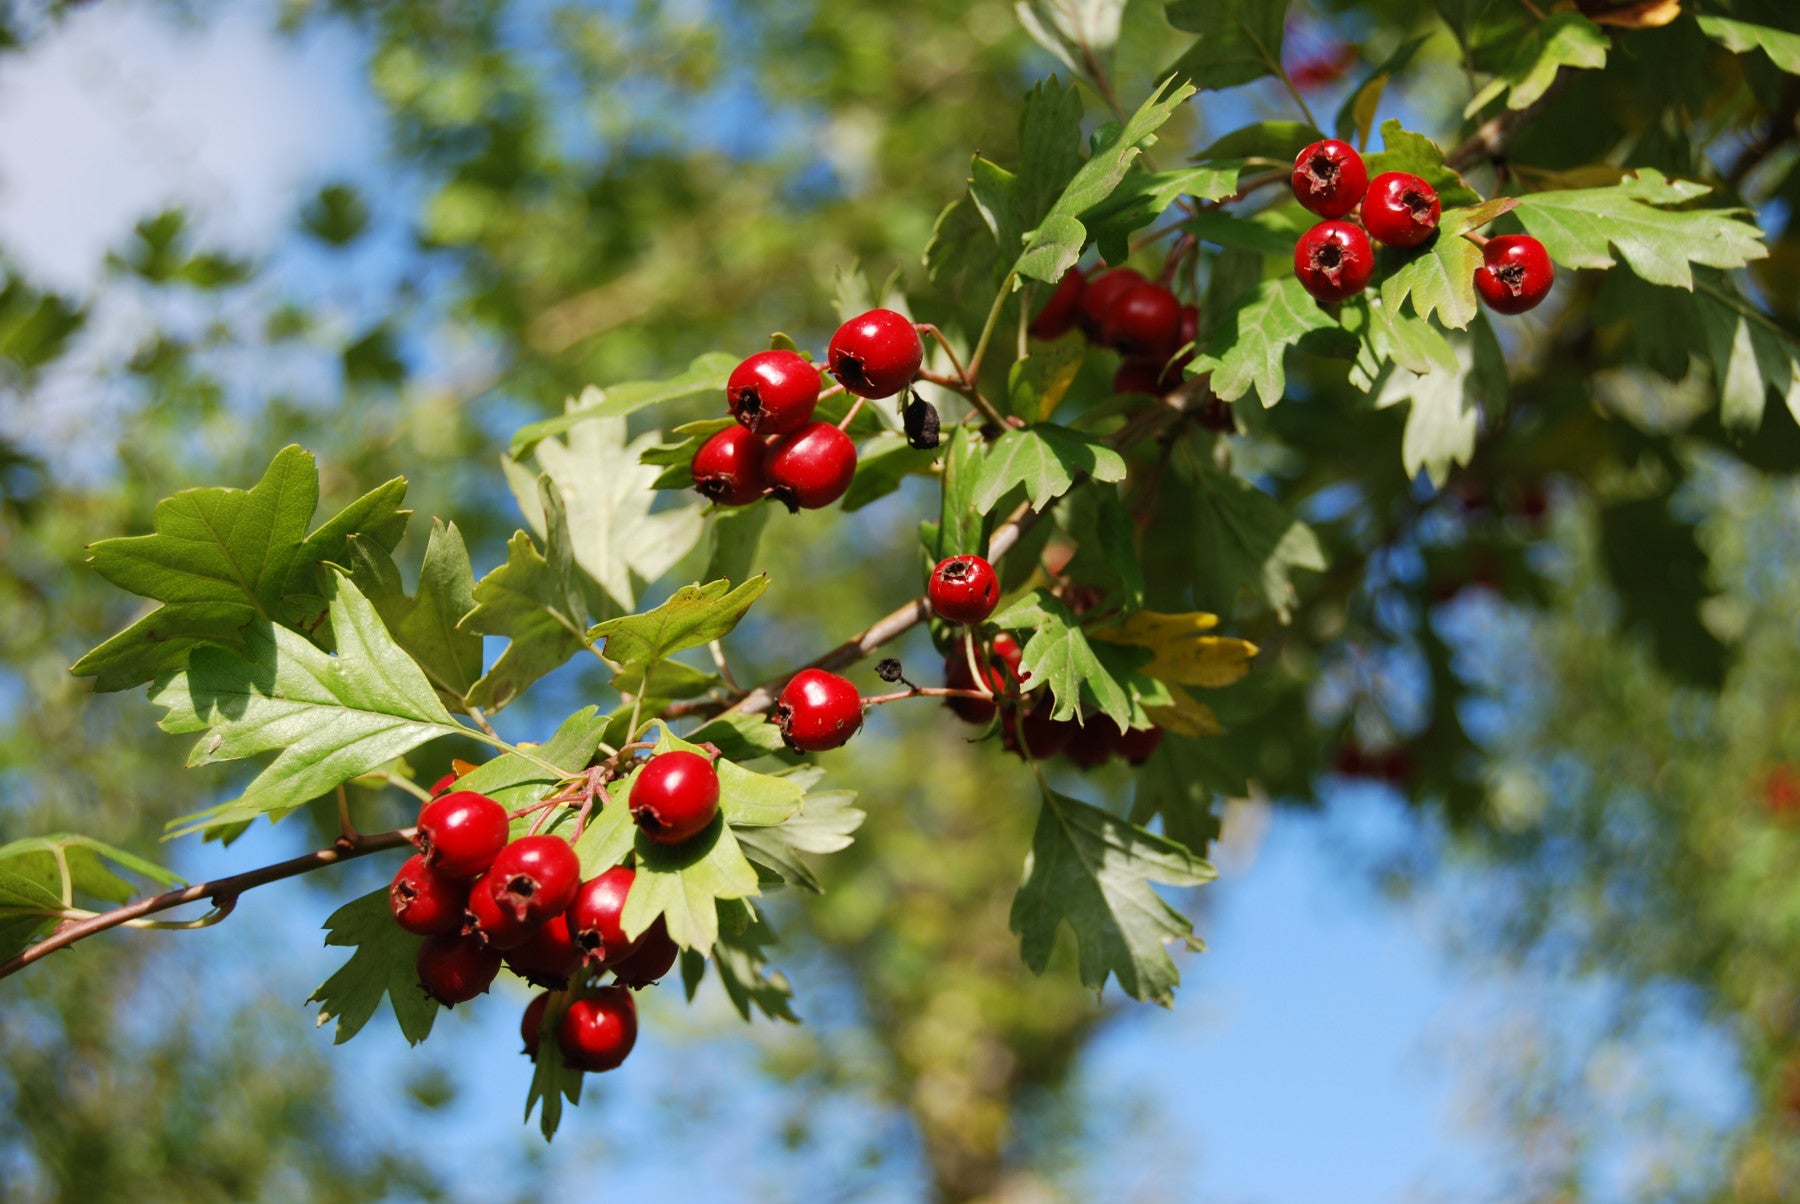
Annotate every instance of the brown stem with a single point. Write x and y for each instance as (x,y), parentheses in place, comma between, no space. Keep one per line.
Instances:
(222,892)
(875,700)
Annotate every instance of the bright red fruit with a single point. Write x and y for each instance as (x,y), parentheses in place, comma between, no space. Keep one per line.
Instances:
(548,957)
(1058,316)
(1334,260)
(594,917)
(496,926)
(535,877)
(455,969)
(773,392)
(597,1032)
(963,589)
(1515,273)
(654,956)
(426,902)
(876,354)
(1329,178)
(675,796)
(461,833)
(443,784)
(1400,210)
(531,1024)
(1101,292)
(731,467)
(1144,323)
(811,467)
(818,710)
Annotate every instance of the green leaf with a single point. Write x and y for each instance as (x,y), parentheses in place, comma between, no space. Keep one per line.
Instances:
(1393,336)
(676,459)
(1561,40)
(1580,226)
(1045,459)
(515,781)
(744,966)
(962,246)
(1440,276)
(1240,40)
(1246,539)
(1741,37)
(1280,142)
(695,615)
(1418,155)
(1056,244)
(329,718)
(1094,871)
(67,863)
(962,526)
(1446,405)
(1751,354)
(735,533)
(536,601)
(425,625)
(1245,349)
(221,559)
(1057,655)
(384,964)
(1661,574)
(882,463)
(1356,116)
(739,736)
(1180,782)
(1271,232)
(1105,547)
(1144,196)
(1037,383)
(681,884)
(706,374)
(822,824)
(552,1079)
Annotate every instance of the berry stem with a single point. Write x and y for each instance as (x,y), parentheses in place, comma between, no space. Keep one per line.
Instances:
(849,417)
(965,382)
(975,673)
(875,700)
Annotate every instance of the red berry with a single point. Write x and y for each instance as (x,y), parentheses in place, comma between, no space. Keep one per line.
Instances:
(654,956)
(494,925)
(1144,323)
(1334,260)
(1329,178)
(461,833)
(1093,743)
(1101,292)
(1400,210)
(811,468)
(1515,274)
(443,784)
(731,467)
(773,392)
(597,1032)
(535,877)
(531,1024)
(818,710)
(426,902)
(548,957)
(1058,316)
(1138,376)
(964,589)
(1044,736)
(876,354)
(1137,744)
(1010,653)
(455,969)
(675,796)
(594,917)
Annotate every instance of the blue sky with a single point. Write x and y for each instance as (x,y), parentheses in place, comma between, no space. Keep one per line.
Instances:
(1325,1049)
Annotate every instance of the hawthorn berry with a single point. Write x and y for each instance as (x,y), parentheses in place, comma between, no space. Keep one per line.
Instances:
(1144,323)
(1058,316)
(1515,273)
(1043,736)
(594,917)
(536,877)
(1329,178)
(1138,743)
(1098,297)
(654,956)
(731,467)
(1334,260)
(1400,209)
(495,925)
(1138,376)
(426,902)
(443,784)
(675,796)
(461,833)
(1090,744)
(597,1032)
(817,711)
(963,589)
(531,1024)
(455,969)
(876,354)
(548,957)
(773,392)
(811,468)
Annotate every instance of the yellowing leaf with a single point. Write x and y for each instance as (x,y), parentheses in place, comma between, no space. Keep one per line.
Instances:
(1181,654)
(1188,717)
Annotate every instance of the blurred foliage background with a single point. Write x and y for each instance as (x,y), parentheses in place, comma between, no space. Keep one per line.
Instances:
(1575,662)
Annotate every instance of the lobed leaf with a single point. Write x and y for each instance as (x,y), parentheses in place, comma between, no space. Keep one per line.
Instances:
(385,963)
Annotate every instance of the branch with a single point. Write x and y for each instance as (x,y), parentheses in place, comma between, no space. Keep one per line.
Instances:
(222,893)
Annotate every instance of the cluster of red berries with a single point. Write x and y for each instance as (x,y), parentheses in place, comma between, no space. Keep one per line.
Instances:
(482,898)
(777,449)
(1335,260)
(1143,321)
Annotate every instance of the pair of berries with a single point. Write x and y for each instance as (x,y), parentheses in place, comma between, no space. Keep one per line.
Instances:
(1144,322)
(1335,260)
(596,1031)
(777,449)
